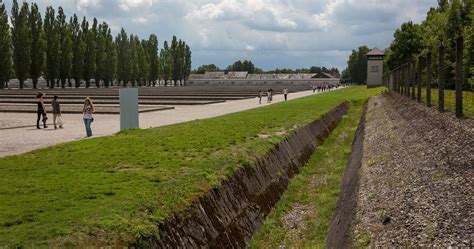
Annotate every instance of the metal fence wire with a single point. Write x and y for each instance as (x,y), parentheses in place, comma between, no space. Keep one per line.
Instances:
(414,80)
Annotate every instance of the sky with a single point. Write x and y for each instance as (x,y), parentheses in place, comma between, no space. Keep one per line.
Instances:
(270,33)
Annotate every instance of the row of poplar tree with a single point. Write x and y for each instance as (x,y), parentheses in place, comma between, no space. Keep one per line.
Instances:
(66,52)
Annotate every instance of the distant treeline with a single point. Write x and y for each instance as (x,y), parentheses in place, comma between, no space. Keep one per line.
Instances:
(356,70)
(442,27)
(248,66)
(62,51)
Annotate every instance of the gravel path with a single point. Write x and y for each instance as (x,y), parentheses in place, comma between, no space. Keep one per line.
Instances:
(417,177)
(16,141)
(74,109)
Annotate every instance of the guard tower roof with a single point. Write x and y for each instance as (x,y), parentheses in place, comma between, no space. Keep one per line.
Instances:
(375,52)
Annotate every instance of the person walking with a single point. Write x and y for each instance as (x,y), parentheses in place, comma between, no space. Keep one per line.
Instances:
(259,96)
(57,118)
(270,95)
(41,111)
(87,111)
(285,93)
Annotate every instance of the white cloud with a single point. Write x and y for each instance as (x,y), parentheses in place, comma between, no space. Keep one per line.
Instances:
(140,19)
(86,4)
(128,5)
(272,33)
(249,48)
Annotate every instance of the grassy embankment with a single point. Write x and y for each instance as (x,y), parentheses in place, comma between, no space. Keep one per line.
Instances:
(114,189)
(302,217)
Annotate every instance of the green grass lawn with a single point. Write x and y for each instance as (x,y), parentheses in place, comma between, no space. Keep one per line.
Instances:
(115,189)
(314,192)
(449,100)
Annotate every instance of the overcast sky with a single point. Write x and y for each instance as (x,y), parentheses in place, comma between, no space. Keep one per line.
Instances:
(271,33)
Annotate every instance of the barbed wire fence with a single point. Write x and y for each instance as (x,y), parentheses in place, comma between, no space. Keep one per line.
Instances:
(414,80)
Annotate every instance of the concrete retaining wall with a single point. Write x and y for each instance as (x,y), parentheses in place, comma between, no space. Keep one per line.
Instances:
(339,231)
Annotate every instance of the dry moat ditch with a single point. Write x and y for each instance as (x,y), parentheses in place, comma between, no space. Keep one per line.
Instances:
(228,216)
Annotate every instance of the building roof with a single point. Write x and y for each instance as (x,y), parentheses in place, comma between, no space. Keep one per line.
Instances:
(322,75)
(264,76)
(375,52)
(237,75)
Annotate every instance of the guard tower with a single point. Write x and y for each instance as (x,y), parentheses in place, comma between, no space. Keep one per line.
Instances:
(374,68)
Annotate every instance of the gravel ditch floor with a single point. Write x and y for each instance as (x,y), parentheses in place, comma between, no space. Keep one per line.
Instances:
(417,177)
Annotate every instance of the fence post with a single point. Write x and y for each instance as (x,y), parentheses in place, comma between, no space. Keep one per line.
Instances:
(409,80)
(405,79)
(459,75)
(395,73)
(400,80)
(413,79)
(428,79)
(418,93)
(441,79)
(396,80)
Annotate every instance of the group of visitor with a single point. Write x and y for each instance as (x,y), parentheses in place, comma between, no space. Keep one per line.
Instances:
(326,87)
(270,95)
(87,110)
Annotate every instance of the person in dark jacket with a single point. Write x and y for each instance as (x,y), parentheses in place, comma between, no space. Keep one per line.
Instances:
(57,118)
(259,96)
(41,111)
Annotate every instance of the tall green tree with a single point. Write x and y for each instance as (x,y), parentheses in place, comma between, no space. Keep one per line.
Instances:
(166,63)
(187,62)
(406,45)
(174,60)
(90,35)
(152,51)
(123,57)
(66,47)
(21,41)
(134,59)
(469,52)
(181,61)
(144,63)
(5,47)
(53,46)
(110,71)
(357,65)
(78,50)
(37,44)
(101,53)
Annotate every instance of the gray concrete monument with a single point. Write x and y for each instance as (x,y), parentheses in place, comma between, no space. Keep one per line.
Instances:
(128,108)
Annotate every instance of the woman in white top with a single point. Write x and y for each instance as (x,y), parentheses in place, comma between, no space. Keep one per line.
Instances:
(285,93)
(87,111)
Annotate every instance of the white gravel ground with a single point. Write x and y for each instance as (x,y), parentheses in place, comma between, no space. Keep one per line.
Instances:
(19,140)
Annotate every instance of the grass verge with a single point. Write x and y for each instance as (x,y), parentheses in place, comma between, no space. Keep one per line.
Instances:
(302,217)
(449,100)
(113,190)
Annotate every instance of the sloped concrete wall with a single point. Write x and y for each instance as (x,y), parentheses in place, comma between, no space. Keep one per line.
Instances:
(339,231)
(228,217)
